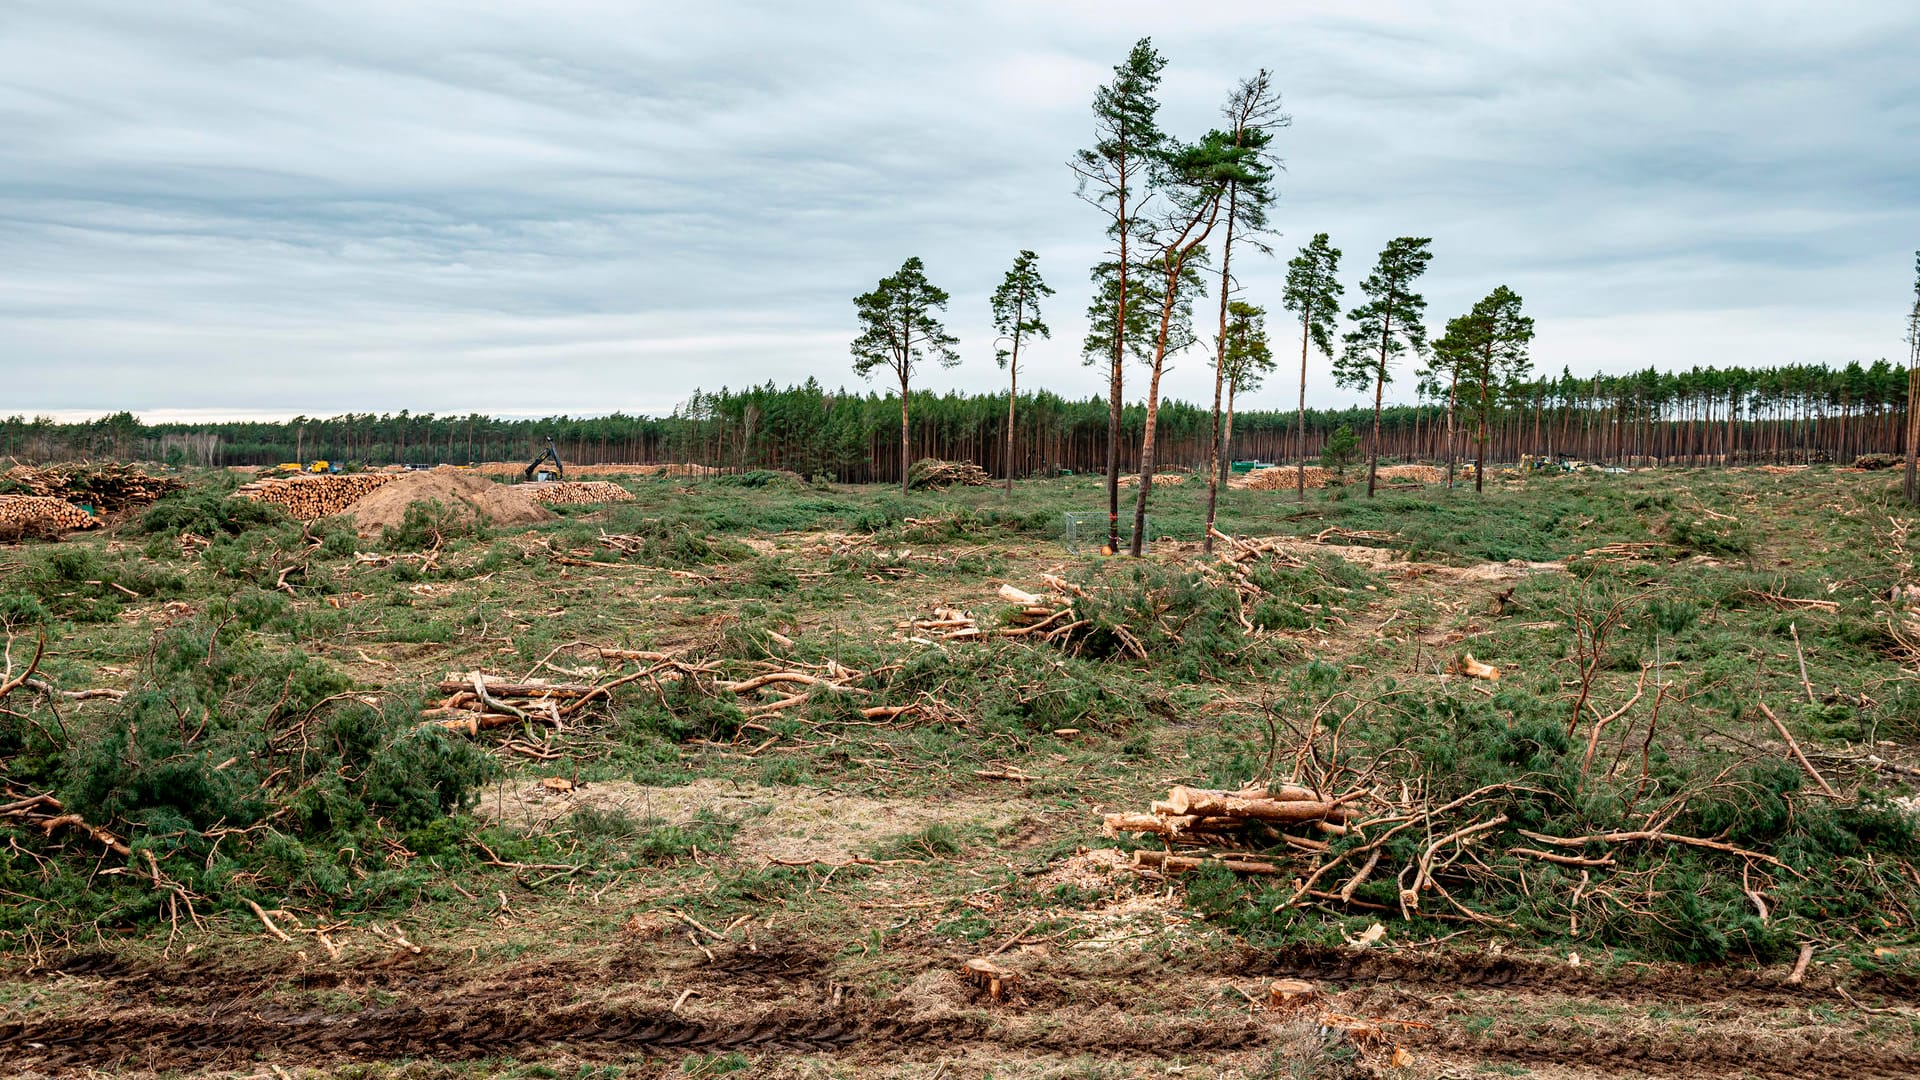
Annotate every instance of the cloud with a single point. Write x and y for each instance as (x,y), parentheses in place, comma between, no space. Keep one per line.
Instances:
(498,207)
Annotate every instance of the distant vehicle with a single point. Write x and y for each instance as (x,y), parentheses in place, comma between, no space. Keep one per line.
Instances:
(533,470)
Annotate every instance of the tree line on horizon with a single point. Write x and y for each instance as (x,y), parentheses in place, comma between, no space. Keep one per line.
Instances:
(1702,416)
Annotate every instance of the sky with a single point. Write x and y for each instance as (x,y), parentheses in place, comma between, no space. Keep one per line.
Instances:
(262,208)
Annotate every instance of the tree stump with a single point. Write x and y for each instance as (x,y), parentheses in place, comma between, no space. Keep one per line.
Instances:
(997,981)
(1291,995)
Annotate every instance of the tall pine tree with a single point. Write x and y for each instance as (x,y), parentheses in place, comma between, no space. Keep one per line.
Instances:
(1252,114)
(1016,315)
(900,331)
(1114,176)
(1386,327)
(1313,293)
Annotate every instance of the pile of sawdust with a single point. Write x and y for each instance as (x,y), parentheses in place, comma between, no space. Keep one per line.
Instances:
(466,494)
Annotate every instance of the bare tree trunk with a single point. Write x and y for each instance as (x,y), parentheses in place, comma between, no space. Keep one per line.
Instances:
(904,450)
(1013,390)
(1480,461)
(1219,375)
(1300,427)
(1453,386)
(1911,484)
(1379,390)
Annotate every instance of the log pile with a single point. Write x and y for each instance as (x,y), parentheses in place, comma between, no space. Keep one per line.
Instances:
(1249,817)
(933,473)
(1282,478)
(577,492)
(105,486)
(307,497)
(36,515)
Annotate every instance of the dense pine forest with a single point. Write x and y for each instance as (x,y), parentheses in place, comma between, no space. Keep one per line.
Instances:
(1704,416)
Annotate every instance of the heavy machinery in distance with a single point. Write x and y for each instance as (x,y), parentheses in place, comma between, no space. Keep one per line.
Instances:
(535,472)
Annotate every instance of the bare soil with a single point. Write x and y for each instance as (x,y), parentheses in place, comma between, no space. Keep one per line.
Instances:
(463,492)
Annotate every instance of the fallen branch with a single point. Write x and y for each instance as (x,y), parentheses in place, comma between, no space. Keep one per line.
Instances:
(1794,748)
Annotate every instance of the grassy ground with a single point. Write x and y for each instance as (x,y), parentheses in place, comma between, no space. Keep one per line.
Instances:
(778,868)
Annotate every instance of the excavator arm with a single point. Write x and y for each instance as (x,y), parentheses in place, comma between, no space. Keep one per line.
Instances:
(549,454)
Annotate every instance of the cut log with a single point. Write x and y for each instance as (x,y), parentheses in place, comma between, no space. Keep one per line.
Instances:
(1474,669)
(1180,864)
(1183,801)
(1019,596)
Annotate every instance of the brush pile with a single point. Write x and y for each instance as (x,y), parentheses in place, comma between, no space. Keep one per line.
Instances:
(477,702)
(577,492)
(105,486)
(935,474)
(35,515)
(309,497)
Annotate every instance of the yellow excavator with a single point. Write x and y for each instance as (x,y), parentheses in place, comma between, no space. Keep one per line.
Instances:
(533,470)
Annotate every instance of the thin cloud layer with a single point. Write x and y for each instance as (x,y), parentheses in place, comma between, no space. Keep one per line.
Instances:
(514,209)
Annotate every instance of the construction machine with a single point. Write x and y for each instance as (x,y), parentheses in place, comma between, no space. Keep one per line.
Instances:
(535,472)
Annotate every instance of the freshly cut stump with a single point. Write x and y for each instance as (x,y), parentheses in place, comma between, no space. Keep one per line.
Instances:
(995,980)
(1291,995)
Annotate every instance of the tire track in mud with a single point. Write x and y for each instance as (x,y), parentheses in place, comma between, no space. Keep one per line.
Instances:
(1479,971)
(452,1034)
(1689,1057)
(1068,1006)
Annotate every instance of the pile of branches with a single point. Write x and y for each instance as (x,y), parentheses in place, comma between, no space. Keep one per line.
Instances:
(1048,616)
(1754,848)
(477,702)
(105,486)
(934,473)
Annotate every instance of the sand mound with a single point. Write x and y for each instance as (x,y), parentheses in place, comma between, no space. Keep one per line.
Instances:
(464,492)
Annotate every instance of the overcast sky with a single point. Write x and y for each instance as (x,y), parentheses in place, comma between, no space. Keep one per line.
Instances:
(268,207)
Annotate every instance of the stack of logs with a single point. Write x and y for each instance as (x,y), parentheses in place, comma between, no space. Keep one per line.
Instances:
(35,514)
(105,486)
(1204,817)
(577,492)
(308,497)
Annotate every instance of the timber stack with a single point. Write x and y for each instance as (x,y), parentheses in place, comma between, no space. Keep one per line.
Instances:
(1250,817)
(577,492)
(105,486)
(40,515)
(310,497)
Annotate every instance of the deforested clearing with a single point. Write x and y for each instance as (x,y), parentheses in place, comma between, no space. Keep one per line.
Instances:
(1591,768)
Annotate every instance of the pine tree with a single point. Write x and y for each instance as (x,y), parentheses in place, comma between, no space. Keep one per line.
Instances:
(1016,315)
(1114,176)
(1246,361)
(1385,327)
(899,331)
(1313,292)
(1252,113)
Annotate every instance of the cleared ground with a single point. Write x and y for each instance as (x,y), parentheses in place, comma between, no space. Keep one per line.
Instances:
(677,880)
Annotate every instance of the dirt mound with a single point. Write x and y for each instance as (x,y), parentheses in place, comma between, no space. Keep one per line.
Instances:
(465,493)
